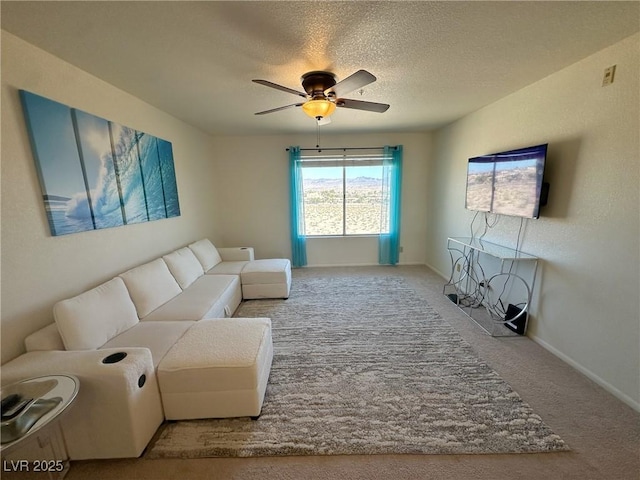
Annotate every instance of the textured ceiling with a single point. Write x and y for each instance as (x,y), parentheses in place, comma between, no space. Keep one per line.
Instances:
(435,61)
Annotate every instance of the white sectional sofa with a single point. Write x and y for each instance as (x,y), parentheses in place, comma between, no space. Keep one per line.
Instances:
(115,336)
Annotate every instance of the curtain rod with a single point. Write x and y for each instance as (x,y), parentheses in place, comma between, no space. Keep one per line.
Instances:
(318,149)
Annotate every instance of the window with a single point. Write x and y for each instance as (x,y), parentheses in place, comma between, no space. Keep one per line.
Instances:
(343,195)
(329,197)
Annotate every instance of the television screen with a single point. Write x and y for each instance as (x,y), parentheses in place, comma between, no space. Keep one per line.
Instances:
(507,183)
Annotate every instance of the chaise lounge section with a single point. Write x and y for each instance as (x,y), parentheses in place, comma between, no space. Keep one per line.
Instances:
(266,278)
(217,369)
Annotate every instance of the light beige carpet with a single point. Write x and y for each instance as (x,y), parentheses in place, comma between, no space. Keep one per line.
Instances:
(366,366)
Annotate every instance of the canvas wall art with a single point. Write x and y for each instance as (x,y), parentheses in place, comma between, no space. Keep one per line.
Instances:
(95,173)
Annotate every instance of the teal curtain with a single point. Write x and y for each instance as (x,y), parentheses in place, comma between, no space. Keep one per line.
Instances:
(389,239)
(298,239)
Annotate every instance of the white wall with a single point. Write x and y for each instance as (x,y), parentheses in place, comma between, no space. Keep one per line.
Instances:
(38,269)
(256,188)
(586,307)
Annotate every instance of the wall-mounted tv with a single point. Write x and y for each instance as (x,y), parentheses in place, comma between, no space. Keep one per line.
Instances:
(508,183)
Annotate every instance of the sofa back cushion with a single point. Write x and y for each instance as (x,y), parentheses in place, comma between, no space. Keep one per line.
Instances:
(91,319)
(150,286)
(206,253)
(184,266)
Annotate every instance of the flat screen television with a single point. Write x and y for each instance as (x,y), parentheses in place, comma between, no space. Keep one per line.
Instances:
(508,183)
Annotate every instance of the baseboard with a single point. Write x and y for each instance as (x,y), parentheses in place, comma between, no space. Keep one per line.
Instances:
(331,265)
(623,397)
(321,265)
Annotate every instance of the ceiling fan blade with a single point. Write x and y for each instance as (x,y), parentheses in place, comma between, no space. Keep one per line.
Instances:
(351,83)
(267,83)
(360,105)
(279,108)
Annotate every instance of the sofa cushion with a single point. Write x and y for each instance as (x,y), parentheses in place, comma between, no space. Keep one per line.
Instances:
(184,266)
(158,337)
(91,319)
(207,297)
(225,344)
(150,286)
(268,270)
(227,268)
(206,253)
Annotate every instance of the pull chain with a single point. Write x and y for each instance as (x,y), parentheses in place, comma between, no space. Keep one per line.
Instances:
(318,133)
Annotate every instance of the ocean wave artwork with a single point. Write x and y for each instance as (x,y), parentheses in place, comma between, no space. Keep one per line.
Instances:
(95,173)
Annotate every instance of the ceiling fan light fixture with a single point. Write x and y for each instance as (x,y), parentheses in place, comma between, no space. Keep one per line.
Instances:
(323,93)
(321,108)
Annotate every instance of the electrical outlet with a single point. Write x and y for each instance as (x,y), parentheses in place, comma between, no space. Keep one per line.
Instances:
(609,73)
(401,249)
(457,267)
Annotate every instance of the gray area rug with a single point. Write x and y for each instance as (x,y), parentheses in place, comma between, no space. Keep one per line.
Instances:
(363,365)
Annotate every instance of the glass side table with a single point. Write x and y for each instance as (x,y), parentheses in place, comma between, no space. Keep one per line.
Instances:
(48,397)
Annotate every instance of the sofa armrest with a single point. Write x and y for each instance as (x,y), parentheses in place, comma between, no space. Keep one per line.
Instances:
(118,406)
(236,254)
(47,338)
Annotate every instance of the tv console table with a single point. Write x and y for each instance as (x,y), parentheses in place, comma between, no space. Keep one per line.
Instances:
(492,284)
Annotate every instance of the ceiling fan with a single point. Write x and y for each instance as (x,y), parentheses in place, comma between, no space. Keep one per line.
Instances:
(323,93)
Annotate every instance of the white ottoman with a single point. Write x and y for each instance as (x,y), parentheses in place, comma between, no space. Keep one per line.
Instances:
(219,368)
(268,278)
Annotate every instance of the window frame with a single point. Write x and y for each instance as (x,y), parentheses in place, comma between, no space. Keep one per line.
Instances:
(343,160)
